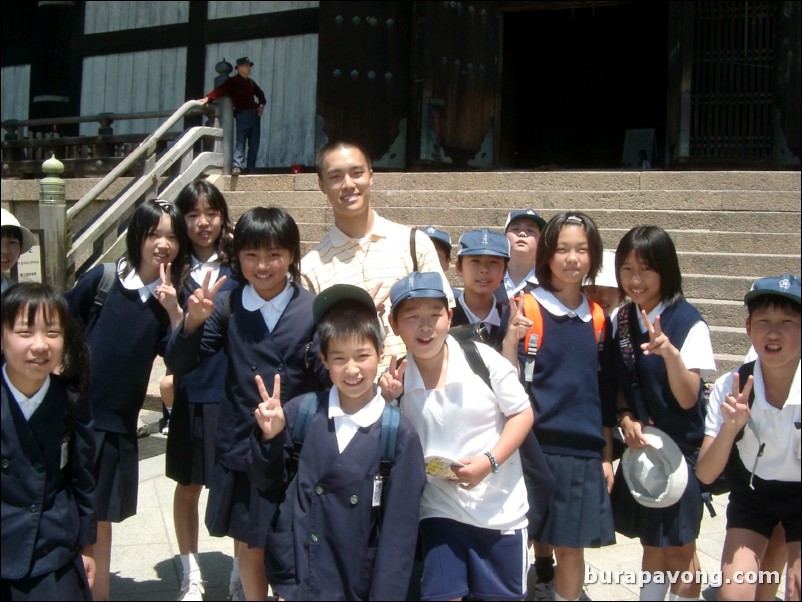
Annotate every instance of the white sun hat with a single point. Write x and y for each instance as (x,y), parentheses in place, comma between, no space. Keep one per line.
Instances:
(28,239)
(657,473)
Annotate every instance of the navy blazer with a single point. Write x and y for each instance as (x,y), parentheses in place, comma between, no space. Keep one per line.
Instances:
(328,541)
(48,513)
(292,350)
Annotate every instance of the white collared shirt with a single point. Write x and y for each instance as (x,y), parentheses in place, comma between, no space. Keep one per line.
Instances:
(697,349)
(133,282)
(512,288)
(200,268)
(776,428)
(271,309)
(556,308)
(465,418)
(491,319)
(28,405)
(346,425)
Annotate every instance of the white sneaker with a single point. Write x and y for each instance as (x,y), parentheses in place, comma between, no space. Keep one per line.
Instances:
(544,591)
(235,592)
(191,591)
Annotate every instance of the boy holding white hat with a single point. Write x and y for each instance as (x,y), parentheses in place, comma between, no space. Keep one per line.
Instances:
(16,240)
(752,431)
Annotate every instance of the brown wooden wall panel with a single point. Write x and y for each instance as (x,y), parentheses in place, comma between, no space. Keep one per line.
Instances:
(462,48)
(363,76)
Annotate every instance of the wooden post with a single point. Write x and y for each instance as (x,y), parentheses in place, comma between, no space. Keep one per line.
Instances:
(53,222)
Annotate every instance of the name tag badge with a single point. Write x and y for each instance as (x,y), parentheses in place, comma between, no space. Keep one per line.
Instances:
(378,485)
(65,452)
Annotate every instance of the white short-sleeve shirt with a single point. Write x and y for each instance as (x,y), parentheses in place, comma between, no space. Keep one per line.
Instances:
(465,418)
(777,428)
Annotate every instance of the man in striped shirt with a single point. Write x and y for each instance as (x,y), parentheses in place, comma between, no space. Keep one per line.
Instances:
(363,248)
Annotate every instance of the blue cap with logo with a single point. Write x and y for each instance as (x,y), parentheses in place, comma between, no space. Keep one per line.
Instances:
(438,236)
(783,286)
(525,214)
(484,242)
(417,285)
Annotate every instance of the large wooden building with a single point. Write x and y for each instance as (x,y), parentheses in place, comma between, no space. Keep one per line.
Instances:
(436,85)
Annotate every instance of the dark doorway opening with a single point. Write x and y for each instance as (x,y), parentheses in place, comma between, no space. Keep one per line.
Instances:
(575,77)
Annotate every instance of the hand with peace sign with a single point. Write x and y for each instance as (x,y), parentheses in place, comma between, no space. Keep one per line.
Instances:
(391,383)
(379,300)
(658,341)
(517,328)
(200,304)
(735,409)
(167,295)
(269,414)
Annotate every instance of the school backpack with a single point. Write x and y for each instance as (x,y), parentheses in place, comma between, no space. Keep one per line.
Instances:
(103,289)
(534,338)
(310,403)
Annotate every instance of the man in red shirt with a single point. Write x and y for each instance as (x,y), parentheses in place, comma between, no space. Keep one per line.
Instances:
(247,113)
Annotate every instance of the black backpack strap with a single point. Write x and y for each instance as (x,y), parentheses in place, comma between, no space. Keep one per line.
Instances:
(475,361)
(413,249)
(103,289)
(744,372)
(391,418)
(306,411)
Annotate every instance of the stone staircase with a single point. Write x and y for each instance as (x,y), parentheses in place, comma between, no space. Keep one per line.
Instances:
(729,227)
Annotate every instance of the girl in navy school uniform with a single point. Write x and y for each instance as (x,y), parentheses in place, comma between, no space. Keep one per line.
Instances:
(573,402)
(672,352)
(48,447)
(267,329)
(193,424)
(125,336)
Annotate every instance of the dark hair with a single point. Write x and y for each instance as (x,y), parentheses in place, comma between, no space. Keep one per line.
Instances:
(187,200)
(144,221)
(654,248)
(267,228)
(349,320)
(549,237)
(11,232)
(332,146)
(33,297)
(777,301)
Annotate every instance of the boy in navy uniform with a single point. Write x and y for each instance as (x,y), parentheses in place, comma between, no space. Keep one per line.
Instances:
(756,438)
(343,530)
(481,263)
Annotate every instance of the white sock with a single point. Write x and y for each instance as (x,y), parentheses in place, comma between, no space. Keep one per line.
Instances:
(234,579)
(559,598)
(190,566)
(653,591)
(678,598)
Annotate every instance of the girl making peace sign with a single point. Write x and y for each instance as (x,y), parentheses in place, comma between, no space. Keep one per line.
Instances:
(671,350)
(124,338)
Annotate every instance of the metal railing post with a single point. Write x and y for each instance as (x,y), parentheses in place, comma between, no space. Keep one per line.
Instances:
(53,222)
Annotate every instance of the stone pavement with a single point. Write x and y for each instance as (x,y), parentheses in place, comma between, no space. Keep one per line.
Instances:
(145,563)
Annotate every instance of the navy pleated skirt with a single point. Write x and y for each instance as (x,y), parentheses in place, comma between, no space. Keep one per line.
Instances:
(579,514)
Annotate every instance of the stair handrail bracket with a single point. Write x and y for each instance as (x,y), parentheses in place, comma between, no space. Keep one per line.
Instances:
(178,163)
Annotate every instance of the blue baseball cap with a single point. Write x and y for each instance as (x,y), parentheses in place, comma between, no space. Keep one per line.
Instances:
(783,286)
(438,236)
(417,285)
(525,214)
(484,242)
(335,294)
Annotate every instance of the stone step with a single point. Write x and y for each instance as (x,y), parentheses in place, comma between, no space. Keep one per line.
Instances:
(715,287)
(722,242)
(721,313)
(737,264)
(730,340)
